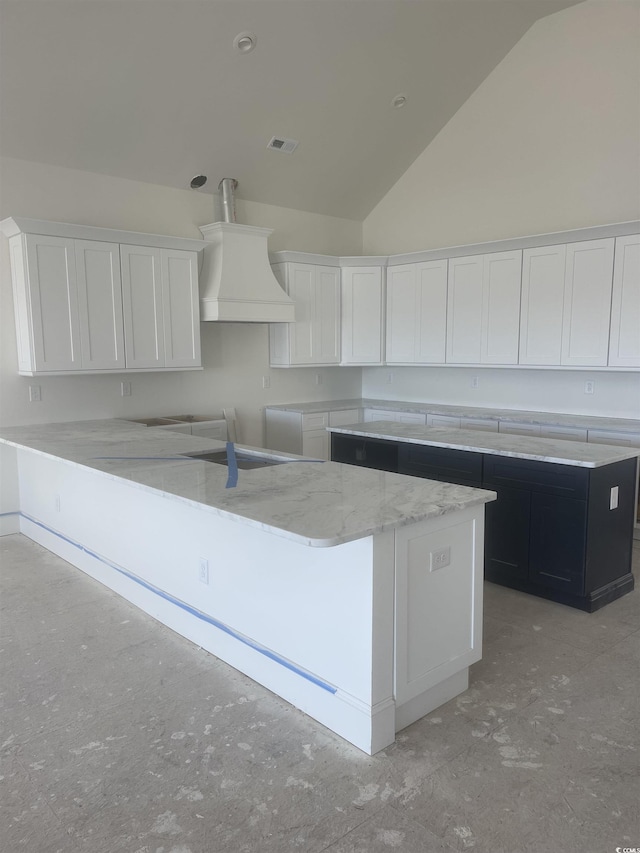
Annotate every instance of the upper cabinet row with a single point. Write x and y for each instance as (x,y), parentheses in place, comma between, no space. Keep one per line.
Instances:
(574,304)
(88,305)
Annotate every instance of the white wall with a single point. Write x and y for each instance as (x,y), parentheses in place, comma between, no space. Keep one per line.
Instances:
(616,395)
(549,141)
(235,356)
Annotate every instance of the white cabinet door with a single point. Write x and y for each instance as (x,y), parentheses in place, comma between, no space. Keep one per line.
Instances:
(53,302)
(481,424)
(417,313)
(464,310)
(501,283)
(624,342)
(180,308)
(100,305)
(587,302)
(344,416)
(410,418)
(362,315)
(543,271)
(315,443)
(378,415)
(142,306)
(483,311)
(314,338)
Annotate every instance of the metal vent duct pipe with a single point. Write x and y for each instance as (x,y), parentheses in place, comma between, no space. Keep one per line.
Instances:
(227,187)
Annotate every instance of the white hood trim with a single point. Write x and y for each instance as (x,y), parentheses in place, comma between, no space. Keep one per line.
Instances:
(237,283)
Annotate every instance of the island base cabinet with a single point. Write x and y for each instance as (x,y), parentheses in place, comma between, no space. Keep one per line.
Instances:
(558,539)
(507,537)
(315,625)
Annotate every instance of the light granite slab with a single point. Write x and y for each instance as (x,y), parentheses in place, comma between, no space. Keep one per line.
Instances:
(577,453)
(312,502)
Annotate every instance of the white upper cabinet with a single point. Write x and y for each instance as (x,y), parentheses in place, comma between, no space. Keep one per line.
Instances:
(543,271)
(483,312)
(587,303)
(362,315)
(93,305)
(624,342)
(416,313)
(181,308)
(100,305)
(501,281)
(464,310)
(161,311)
(50,303)
(143,313)
(314,337)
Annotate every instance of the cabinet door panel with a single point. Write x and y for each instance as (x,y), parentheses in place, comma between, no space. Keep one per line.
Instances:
(464,310)
(315,443)
(502,275)
(53,295)
(431,312)
(507,536)
(326,345)
(362,315)
(100,305)
(558,542)
(624,344)
(142,306)
(302,291)
(542,305)
(587,302)
(180,308)
(401,314)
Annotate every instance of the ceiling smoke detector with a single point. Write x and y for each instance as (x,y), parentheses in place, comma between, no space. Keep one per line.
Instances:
(279,143)
(198,181)
(244,42)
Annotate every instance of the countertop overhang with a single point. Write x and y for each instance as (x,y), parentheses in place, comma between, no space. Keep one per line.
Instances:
(311,502)
(561,452)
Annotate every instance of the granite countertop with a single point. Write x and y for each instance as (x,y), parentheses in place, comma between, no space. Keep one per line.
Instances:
(511,415)
(577,453)
(310,502)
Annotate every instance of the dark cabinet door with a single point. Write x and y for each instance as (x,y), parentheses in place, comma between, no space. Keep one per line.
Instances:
(367,452)
(506,551)
(558,539)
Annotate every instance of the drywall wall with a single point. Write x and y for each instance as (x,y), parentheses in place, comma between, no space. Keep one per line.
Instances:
(549,141)
(616,395)
(235,356)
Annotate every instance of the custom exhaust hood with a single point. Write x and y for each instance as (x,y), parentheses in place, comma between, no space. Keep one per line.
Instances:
(237,284)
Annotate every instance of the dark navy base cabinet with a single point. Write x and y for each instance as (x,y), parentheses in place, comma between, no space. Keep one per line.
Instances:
(551,532)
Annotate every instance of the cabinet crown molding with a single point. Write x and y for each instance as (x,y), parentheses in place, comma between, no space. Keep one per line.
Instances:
(14,225)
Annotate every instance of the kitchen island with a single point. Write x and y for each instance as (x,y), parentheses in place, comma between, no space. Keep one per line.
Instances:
(562,526)
(354,594)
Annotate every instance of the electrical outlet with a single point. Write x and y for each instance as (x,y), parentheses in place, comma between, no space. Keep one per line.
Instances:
(589,386)
(35,394)
(440,558)
(125,389)
(203,572)
(266,381)
(475,381)
(318,379)
(57,503)
(613,498)
(390,376)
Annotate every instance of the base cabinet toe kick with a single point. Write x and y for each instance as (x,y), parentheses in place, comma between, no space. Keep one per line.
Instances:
(558,531)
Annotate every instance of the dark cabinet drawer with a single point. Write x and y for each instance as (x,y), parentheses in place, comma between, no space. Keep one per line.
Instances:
(440,463)
(367,452)
(548,478)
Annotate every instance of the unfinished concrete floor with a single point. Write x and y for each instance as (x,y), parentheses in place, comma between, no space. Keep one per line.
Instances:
(118,735)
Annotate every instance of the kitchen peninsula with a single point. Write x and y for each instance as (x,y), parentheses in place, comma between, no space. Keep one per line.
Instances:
(562,525)
(354,594)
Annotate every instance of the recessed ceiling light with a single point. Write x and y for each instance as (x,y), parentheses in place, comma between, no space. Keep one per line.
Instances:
(399,101)
(198,181)
(244,42)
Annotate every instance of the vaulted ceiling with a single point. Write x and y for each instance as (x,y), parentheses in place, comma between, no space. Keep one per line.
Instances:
(154,90)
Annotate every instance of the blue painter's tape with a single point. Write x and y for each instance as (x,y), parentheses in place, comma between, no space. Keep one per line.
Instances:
(232,465)
(210,620)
